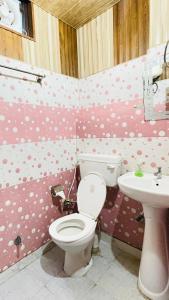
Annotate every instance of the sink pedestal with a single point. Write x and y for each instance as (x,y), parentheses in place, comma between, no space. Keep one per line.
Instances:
(154,268)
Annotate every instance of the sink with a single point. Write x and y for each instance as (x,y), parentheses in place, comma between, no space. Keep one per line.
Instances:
(147,189)
(153,278)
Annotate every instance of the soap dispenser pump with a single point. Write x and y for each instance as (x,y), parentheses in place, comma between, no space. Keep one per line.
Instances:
(139,172)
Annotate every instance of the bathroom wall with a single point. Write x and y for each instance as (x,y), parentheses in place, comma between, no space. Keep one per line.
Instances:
(38,130)
(53,45)
(158,15)
(119,34)
(111,121)
(37,150)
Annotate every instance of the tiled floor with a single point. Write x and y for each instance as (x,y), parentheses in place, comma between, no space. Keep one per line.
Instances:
(113,276)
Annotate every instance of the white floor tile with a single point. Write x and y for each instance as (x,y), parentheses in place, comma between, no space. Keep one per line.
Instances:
(113,276)
(6,275)
(43,294)
(48,266)
(99,268)
(70,288)
(121,282)
(106,251)
(98,293)
(20,286)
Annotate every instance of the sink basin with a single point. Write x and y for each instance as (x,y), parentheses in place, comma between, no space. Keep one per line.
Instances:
(147,189)
(153,278)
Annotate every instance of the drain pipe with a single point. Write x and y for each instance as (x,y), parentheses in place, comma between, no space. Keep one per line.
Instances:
(17,243)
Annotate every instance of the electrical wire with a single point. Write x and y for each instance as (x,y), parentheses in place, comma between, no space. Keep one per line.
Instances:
(72,182)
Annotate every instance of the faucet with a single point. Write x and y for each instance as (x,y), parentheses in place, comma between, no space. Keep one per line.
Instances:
(158,174)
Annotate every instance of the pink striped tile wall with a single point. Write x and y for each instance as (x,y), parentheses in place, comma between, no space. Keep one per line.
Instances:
(111,121)
(27,123)
(118,119)
(118,218)
(27,210)
(37,150)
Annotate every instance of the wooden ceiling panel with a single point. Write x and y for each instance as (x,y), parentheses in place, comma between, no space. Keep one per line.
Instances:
(75,12)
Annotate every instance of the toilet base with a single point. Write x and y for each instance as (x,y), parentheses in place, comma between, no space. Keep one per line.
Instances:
(78,262)
(82,271)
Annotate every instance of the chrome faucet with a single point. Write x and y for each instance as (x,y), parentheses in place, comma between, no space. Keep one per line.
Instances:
(158,174)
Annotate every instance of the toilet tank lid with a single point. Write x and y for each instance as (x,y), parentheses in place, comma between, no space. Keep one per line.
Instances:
(105,158)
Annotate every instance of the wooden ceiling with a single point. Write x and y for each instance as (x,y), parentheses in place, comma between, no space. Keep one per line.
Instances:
(75,12)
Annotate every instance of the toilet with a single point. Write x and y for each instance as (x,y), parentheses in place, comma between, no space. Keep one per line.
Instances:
(75,233)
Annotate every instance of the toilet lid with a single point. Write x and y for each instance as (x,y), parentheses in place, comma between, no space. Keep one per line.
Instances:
(91,195)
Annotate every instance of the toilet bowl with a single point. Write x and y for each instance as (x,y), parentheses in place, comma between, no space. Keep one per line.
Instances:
(75,233)
(72,232)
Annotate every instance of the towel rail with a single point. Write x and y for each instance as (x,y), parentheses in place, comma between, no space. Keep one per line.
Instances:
(39,77)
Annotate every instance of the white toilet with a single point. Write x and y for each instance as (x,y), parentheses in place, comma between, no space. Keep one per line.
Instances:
(75,233)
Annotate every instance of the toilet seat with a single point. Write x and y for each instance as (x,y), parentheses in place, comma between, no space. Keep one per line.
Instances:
(91,195)
(71,228)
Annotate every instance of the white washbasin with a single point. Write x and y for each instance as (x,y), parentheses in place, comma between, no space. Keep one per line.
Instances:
(153,278)
(147,189)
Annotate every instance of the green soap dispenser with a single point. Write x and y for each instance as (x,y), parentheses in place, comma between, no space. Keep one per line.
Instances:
(139,172)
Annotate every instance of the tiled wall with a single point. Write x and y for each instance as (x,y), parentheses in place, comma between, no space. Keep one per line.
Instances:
(42,127)
(111,121)
(37,150)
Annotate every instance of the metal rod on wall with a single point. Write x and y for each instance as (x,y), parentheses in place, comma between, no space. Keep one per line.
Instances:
(38,80)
